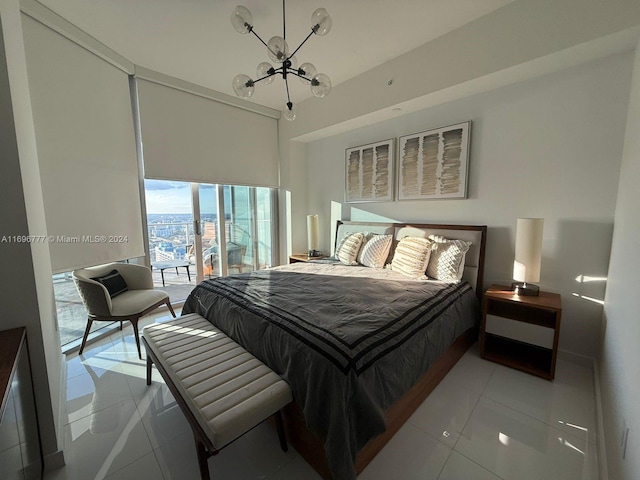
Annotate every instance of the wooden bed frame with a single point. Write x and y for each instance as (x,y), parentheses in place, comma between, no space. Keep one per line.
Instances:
(311,448)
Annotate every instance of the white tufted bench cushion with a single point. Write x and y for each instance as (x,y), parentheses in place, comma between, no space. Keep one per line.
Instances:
(226,389)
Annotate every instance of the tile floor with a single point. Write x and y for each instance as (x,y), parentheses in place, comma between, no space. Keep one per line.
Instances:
(483,421)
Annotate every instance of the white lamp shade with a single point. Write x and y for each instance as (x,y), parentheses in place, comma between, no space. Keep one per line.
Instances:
(526,265)
(312,232)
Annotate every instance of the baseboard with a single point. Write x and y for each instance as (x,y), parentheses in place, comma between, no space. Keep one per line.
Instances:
(54,461)
(583,360)
(602,451)
(592,363)
(62,408)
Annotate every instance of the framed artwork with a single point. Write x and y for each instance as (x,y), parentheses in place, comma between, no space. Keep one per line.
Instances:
(434,164)
(369,172)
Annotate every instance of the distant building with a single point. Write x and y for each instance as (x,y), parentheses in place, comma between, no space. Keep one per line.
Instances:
(165,251)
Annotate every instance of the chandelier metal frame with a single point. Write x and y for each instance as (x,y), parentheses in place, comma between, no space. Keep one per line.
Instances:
(278,51)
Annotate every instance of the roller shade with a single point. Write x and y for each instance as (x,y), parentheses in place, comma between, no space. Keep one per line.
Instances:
(196,139)
(86,151)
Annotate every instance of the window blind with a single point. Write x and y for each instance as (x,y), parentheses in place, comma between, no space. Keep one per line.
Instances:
(86,151)
(192,138)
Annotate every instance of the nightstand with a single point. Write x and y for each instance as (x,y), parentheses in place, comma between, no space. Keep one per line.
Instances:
(302,257)
(521,332)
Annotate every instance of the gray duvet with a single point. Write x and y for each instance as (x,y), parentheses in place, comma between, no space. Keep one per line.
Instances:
(350,341)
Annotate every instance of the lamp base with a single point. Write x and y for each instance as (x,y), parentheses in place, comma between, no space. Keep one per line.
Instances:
(314,253)
(525,289)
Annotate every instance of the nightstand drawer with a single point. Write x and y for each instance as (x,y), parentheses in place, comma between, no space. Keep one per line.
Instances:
(521,331)
(523,313)
(517,330)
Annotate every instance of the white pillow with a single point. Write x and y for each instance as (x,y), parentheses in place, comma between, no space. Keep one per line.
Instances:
(447,258)
(347,251)
(375,250)
(412,256)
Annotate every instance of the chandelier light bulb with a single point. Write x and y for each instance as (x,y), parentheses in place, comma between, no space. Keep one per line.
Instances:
(282,60)
(321,22)
(306,70)
(278,49)
(291,112)
(243,86)
(241,19)
(320,85)
(264,69)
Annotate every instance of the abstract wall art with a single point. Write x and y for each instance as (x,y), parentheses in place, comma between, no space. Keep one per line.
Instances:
(433,164)
(369,172)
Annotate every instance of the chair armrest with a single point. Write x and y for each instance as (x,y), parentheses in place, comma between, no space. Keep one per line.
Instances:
(94,295)
(138,277)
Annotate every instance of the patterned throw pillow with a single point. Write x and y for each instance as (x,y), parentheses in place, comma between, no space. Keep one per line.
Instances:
(375,250)
(347,251)
(447,259)
(113,282)
(412,256)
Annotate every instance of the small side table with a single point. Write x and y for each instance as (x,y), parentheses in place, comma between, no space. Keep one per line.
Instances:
(302,257)
(162,266)
(511,333)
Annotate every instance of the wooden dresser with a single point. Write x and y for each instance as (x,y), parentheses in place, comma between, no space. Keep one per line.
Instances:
(20,449)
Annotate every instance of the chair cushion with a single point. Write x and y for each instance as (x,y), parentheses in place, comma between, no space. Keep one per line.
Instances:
(113,282)
(133,302)
(228,390)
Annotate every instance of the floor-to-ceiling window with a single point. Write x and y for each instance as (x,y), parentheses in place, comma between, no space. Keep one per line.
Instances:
(170,227)
(183,232)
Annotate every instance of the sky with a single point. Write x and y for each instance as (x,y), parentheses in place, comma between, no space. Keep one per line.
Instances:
(175,197)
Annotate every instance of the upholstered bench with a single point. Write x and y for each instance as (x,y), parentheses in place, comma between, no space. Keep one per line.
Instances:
(222,389)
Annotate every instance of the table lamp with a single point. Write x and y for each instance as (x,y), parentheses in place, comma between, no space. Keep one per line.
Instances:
(526,265)
(312,236)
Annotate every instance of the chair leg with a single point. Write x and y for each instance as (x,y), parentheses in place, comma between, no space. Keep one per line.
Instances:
(281,435)
(134,323)
(170,308)
(120,325)
(86,334)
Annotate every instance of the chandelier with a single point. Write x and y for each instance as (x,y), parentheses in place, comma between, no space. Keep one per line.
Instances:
(278,51)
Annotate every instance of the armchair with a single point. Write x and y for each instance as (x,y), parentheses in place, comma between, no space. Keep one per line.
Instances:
(139,299)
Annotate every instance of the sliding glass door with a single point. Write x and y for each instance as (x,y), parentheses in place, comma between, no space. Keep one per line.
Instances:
(186,220)
(248,228)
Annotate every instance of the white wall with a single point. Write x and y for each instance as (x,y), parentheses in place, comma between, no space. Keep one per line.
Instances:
(549,147)
(26,289)
(620,356)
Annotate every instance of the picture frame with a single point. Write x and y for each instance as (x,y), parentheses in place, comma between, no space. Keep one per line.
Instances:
(370,172)
(434,164)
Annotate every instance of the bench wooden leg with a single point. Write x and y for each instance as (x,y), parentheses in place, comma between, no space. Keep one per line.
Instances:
(203,455)
(149,363)
(280,428)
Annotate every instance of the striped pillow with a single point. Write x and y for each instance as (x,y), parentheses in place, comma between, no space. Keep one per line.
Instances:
(347,251)
(375,250)
(447,258)
(412,256)
(113,282)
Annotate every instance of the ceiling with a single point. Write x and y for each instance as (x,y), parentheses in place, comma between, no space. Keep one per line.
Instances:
(194,40)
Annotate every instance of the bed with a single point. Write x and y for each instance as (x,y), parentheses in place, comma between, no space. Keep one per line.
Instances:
(360,347)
